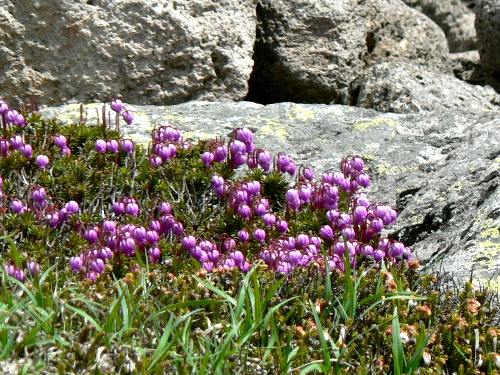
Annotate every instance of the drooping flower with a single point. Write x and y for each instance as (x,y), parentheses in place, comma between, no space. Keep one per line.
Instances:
(154,254)
(15,272)
(3,107)
(42,161)
(220,153)
(207,158)
(17,206)
(117,105)
(308,174)
(155,161)
(27,151)
(188,243)
(360,213)
(128,116)
(38,195)
(282,226)
(243,235)
(65,151)
(259,235)
(326,232)
(72,207)
(132,209)
(269,219)
(100,146)
(363,180)
(60,141)
(76,263)
(33,268)
(127,146)
(293,199)
(16,142)
(112,146)
(265,160)
(244,211)
(357,164)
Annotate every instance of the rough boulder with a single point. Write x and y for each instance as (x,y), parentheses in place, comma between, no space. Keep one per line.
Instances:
(156,52)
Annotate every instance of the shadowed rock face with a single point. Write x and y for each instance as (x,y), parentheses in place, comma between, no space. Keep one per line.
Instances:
(155,52)
(310,51)
(440,170)
(488,31)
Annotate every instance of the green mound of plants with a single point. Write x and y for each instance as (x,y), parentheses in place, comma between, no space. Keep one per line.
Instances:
(212,256)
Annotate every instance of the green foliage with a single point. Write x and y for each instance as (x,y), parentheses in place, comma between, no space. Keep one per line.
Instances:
(173,318)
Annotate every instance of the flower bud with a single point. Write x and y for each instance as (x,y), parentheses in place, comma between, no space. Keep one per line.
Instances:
(60,141)
(207,158)
(42,161)
(117,105)
(243,235)
(259,235)
(127,146)
(128,116)
(100,146)
(33,268)
(112,146)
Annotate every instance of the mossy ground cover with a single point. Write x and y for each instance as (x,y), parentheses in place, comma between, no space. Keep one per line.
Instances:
(157,305)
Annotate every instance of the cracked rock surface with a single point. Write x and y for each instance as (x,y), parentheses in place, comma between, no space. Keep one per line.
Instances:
(154,52)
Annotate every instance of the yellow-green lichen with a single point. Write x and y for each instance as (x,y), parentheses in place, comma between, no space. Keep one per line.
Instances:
(198,135)
(387,169)
(274,128)
(298,112)
(378,121)
(490,233)
(169,117)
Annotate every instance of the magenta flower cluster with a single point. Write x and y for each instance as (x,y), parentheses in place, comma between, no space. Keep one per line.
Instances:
(33,269)
(11,116)
(110,240)
(113,146)
(39,205)
(355,233)
(166,142)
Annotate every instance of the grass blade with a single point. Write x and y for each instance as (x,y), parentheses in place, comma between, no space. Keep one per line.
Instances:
(84,315)
(397,345)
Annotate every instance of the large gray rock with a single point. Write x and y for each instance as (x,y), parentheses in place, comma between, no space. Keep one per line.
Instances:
(157,52)
(311,50)
(441,170)
(488,32)
(402,87)
(455,17)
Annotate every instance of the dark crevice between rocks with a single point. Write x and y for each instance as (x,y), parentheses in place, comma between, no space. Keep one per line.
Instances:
(432,222)
(405,197)
(371,41)
(271,81)
(354,92)
(486,194)
(466,232)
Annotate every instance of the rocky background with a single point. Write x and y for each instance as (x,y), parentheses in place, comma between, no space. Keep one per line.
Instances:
(426,72)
